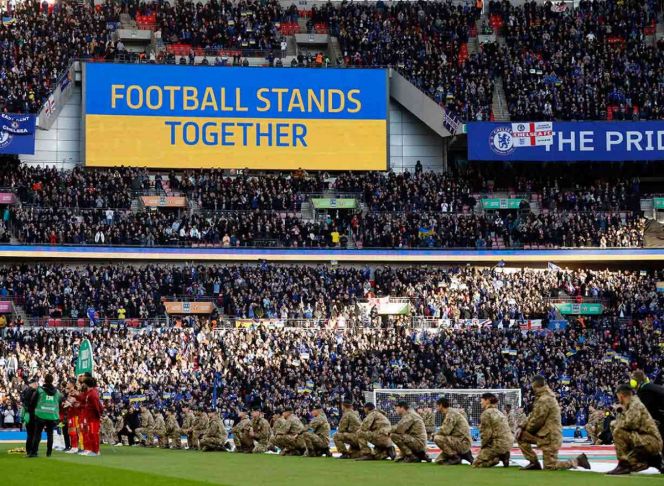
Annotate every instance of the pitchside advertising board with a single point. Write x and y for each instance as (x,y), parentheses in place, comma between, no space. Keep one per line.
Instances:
(566,141)
(222,117)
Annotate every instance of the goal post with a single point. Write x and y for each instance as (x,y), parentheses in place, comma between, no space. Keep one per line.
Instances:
(386,399)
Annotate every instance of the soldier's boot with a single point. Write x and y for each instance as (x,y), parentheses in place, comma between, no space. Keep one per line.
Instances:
(345,455)
(656,462)
(400,459)
(582,461)
(326,452)
(452,461)
(392,453)
(366,457)
(468,457)
(620,469)
(423,456)
(533,466)
(505,459)
(410,459)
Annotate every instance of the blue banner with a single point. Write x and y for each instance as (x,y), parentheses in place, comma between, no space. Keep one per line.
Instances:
(17,134)
(601,141)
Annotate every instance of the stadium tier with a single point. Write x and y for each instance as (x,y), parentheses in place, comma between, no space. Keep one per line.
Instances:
(382,231)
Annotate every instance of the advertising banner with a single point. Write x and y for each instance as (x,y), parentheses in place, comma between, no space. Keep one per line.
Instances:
(601,141)
(496,203)
(189,307)
(235,117)
(164,201)
(587,309)
(17,134)
(334,203)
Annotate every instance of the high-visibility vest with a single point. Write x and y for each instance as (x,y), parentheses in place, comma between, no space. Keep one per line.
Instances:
(48,406)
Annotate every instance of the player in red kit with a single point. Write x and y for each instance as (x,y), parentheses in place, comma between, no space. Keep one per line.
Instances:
(71,406)
(91,413)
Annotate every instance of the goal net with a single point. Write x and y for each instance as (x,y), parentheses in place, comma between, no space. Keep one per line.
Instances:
(468,400)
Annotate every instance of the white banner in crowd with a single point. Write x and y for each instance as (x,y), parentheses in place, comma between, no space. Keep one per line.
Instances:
(57,100)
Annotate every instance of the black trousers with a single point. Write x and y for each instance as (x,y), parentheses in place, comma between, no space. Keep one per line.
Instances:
(65,434)
(131,436)
(30,429)
(41,425)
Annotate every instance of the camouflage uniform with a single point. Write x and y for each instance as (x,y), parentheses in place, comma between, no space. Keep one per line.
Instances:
(317,437)
(160,430)
(215,436)
(635,435)
(515,419)
(262,434)
(349,424)
(429,419)
(545,429)
(173,431)
(290,438)
(200,427)
(410,434)
(242,438)
(496,437)
(145,432)
(119,425)
(107,430)
(453,437)
(279,426)
(595,426)
(188,428)
(376,429)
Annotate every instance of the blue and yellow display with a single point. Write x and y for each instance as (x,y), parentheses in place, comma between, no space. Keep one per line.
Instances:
(222,117)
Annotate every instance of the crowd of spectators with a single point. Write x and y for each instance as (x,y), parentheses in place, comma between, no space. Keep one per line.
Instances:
(154,227)
(552,229)
(588,62)
(296,367)
(219,24)
(405,210)
(582,63)
(321,292)
(38,46)
(427,42)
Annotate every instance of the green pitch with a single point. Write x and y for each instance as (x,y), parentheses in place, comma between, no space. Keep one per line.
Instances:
(130,466)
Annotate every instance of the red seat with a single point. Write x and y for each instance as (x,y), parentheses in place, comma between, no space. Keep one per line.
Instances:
(58,323)
(50,323)
(80,322)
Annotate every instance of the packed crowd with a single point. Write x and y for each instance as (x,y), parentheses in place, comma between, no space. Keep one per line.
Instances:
(170,228)
(555,229)
(219,24)
(405,210)
(290,367)
(588,62)
(39,45)
(319,293)
(580,63)
(424,40)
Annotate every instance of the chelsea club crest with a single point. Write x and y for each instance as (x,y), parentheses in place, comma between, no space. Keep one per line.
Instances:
(501,141)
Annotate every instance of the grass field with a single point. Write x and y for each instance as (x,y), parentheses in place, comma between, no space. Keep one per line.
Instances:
(136,467)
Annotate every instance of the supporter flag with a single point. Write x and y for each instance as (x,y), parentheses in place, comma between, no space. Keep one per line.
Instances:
(565,380)
(553,267)
(106,395)
(659,286)
(8,20)
(137,398)
(532,134)
(85,359)
(426,231)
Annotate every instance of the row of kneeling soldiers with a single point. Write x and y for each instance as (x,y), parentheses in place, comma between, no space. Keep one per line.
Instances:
(637,439)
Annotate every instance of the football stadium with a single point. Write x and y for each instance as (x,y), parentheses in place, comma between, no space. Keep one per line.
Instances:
(267,242)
